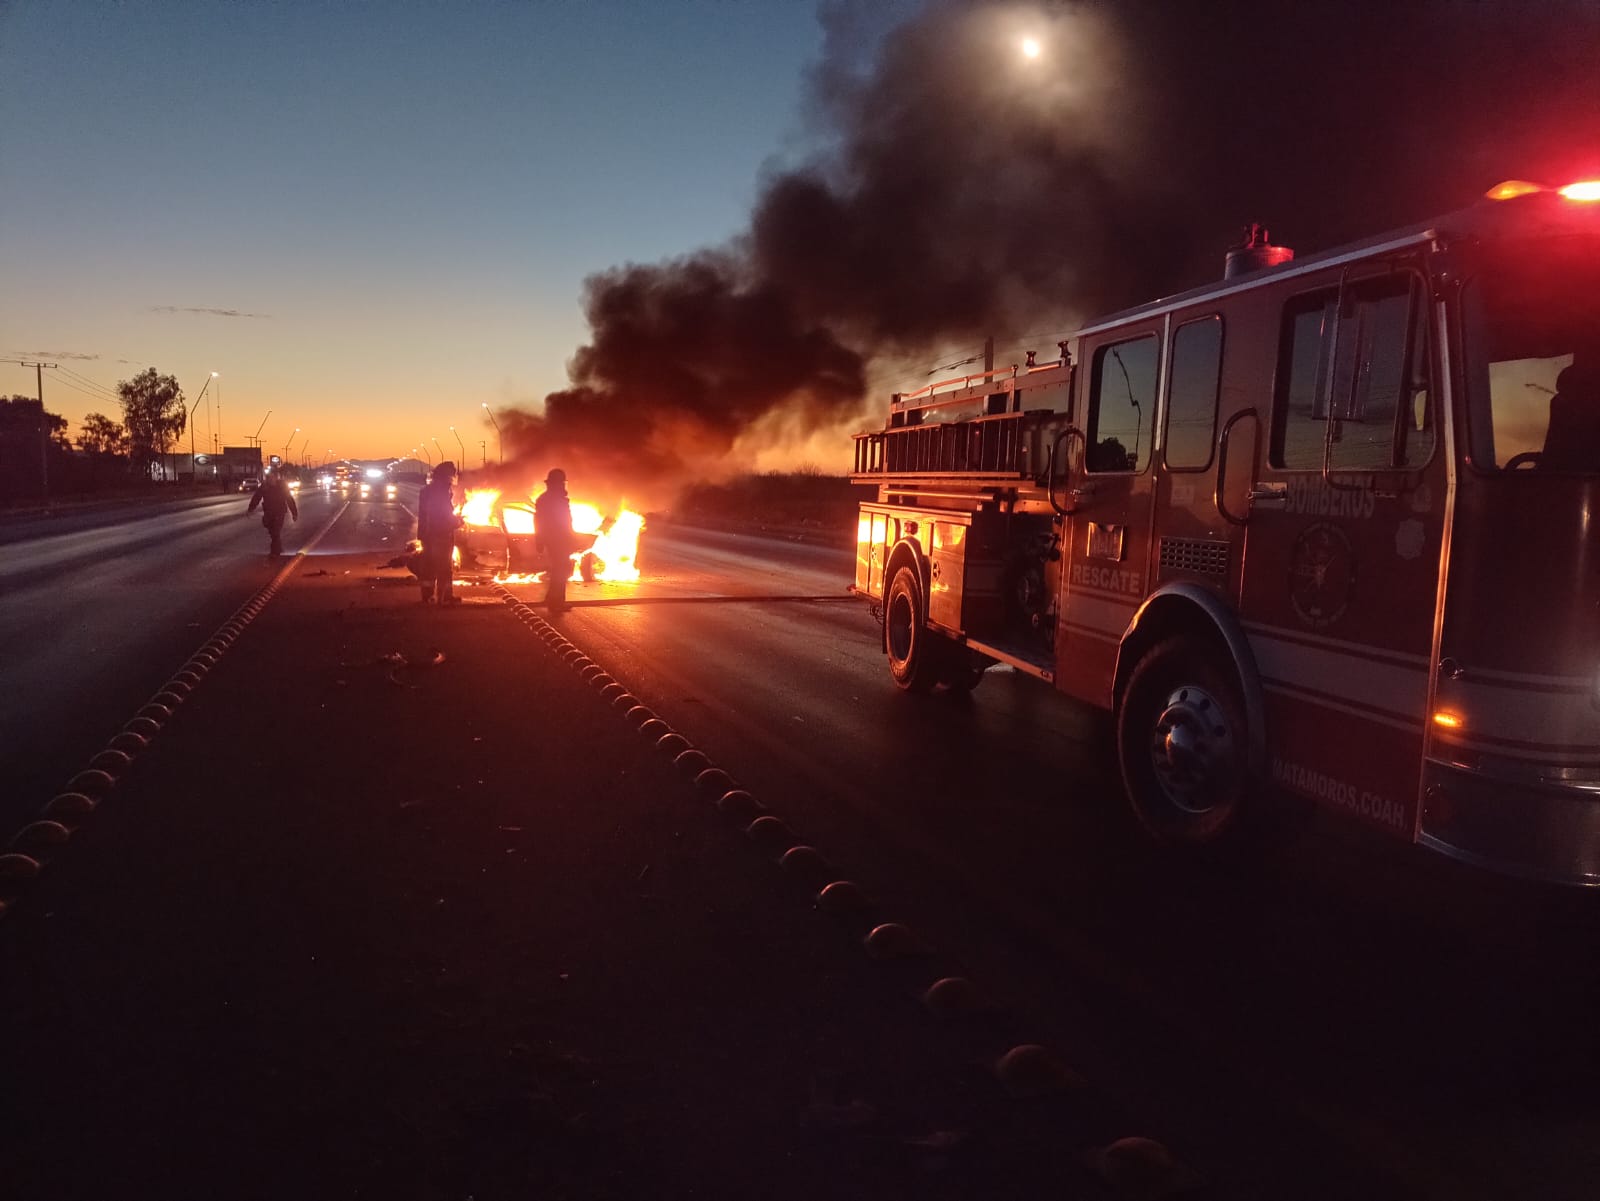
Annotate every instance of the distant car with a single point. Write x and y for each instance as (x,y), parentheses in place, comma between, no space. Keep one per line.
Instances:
(378,490)
(249,484)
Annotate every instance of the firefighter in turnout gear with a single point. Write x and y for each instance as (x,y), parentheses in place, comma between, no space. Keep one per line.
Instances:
(552,526)
(437,523)
(277,502)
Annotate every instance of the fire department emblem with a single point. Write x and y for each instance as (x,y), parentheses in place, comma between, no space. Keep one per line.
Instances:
(1321,575)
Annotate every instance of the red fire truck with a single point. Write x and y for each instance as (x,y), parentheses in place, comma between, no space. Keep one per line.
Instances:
(1329,526)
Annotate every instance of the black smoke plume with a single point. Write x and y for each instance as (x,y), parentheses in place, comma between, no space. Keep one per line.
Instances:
(962,190)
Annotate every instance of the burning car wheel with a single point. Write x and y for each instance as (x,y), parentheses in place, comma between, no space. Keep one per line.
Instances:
(590,566)
(1181,740)
(912,651)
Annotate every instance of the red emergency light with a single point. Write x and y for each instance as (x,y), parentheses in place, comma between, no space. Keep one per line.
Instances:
(1588,189)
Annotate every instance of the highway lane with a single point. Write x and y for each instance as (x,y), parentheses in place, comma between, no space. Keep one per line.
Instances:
(1353,1018)
(1320,1012)
(100,609)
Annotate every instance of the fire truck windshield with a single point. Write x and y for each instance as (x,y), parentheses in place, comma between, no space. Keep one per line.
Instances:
(1534,358)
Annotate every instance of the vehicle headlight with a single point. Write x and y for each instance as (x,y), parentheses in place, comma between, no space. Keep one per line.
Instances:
(391,489)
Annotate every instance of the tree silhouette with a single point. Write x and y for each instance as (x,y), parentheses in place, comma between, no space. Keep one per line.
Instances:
(154,414)
(102,436)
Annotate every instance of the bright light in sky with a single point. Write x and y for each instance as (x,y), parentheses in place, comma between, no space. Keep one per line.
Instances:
(1030,47)
(380,213)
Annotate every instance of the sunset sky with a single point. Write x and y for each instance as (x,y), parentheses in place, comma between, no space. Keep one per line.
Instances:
(369,218)
(715,233)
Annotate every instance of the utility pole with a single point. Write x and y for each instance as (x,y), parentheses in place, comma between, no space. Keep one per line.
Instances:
(499,442)
(44,432)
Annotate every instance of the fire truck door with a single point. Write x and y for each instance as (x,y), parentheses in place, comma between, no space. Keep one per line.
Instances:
(1343,545)
(1108,531)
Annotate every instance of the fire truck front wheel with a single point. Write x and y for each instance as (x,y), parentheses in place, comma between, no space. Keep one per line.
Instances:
(1181,739)
(912,647)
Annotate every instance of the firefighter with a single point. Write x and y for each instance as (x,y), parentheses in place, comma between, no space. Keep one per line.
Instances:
(437,522)
(1572,441)
(552,528)
(276,502)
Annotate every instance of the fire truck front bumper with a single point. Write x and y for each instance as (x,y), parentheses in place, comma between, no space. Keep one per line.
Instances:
(1545,828)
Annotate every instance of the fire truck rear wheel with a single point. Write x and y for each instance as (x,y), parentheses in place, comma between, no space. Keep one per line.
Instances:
(1181,740)
(913,648)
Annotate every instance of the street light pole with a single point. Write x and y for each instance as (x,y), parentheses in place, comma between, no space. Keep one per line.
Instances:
(426,456)
(463,448)
(483,452)
(499,442)
(441,450)
(287,444)
(302,455)
(187,420)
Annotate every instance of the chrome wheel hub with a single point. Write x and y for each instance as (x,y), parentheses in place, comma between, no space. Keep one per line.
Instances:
(1191,749)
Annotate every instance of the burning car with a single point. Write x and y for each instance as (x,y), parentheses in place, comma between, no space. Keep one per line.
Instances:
(500,536)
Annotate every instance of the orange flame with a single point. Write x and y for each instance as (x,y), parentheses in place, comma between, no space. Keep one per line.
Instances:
(618,546)
(478,507)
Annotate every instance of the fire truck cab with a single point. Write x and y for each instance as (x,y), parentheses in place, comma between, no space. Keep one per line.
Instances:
(1328,527)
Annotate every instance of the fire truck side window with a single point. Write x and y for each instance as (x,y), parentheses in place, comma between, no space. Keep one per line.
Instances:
(1532,325)
(1374,395)
(1192,396)
(1122,404)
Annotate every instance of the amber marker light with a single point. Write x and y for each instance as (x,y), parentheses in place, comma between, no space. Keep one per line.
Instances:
(1449,721)
(1511,189)
(1588,189)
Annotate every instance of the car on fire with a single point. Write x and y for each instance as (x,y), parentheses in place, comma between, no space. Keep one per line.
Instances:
(500,536)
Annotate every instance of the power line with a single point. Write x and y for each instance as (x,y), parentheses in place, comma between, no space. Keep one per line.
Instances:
(84,379)
(66,383)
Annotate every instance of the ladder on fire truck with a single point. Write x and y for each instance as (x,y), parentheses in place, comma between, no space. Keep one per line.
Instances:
(972,444)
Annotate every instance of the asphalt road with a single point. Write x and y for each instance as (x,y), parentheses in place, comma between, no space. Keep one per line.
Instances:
(1316,1016)
(1323,1009)
(100,607)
